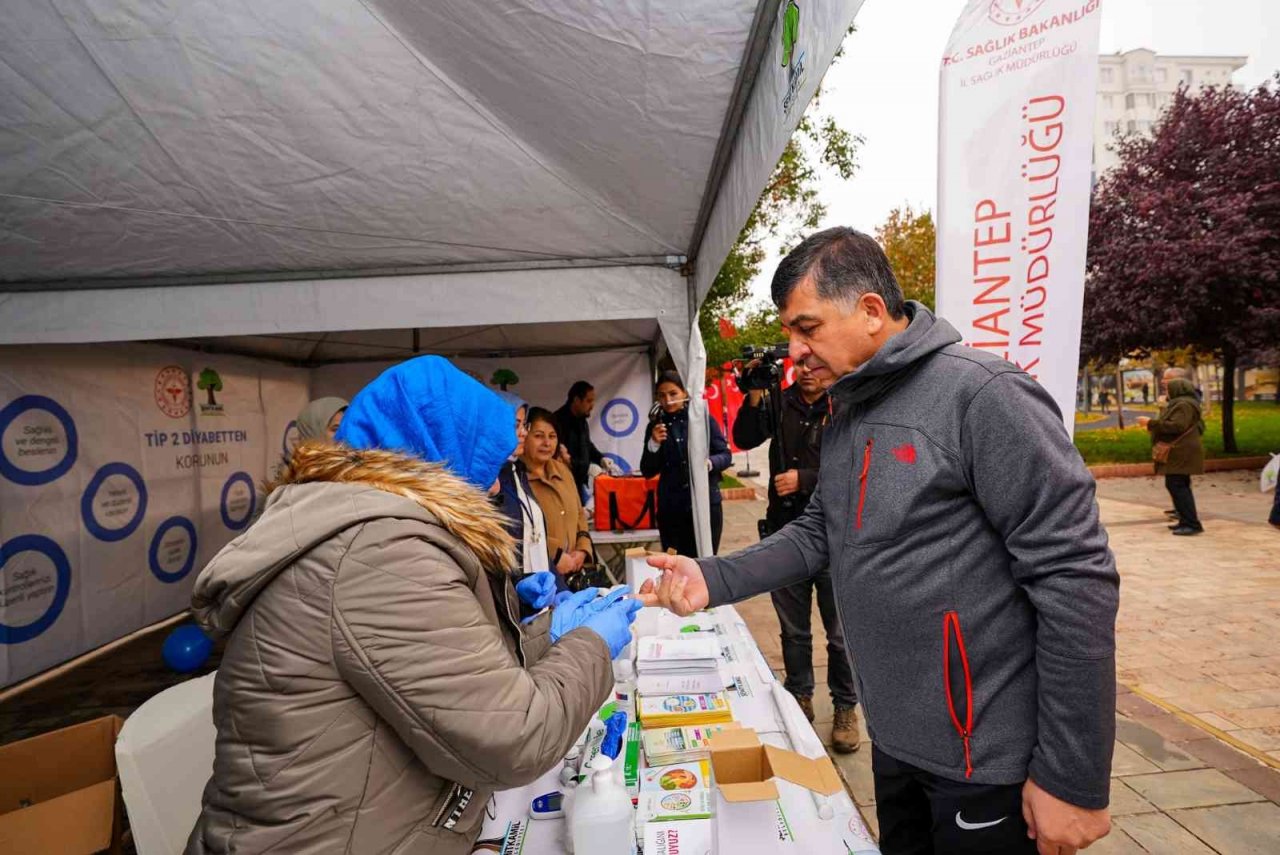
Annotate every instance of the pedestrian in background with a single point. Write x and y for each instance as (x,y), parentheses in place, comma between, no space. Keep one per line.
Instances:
(1178,427)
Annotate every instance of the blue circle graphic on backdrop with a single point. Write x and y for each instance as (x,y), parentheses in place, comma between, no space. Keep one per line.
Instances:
(629,411)
(285,445)
(90,496)
(227,520)
(26,477)
(62,588)
(620,460)
(153,554)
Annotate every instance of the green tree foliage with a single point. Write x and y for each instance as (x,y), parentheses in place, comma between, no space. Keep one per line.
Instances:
(504,377)
(909,240)
(210,382)
(1184,236)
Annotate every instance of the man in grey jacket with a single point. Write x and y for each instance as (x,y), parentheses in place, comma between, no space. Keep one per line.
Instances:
(974,583)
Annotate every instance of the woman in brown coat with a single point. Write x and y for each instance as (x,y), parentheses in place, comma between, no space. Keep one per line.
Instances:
(568,543)
(1180,423)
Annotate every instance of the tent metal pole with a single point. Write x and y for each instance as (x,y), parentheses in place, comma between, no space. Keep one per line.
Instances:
(748,71)
(671,262)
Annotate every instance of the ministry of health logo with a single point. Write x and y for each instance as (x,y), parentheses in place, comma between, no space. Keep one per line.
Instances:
(1010,12)
(173,391)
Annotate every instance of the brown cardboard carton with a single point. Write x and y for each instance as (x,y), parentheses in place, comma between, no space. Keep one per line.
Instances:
(744,769)
(59,791)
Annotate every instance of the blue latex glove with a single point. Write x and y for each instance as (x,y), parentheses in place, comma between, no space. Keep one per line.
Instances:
(610,598)
(613,623)
(537,589)
(593,604)
(572,613)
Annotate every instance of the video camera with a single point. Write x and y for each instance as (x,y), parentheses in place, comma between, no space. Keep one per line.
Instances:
(767,373)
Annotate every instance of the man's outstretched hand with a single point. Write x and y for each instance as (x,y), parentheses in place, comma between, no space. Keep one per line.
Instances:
(682,588)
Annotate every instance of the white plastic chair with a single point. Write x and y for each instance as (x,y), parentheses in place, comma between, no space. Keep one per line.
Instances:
(165,756)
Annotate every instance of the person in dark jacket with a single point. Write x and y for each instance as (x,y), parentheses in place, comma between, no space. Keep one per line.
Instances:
(801,416)
(575,432)
(666,453)
(1180,423)
(976,589)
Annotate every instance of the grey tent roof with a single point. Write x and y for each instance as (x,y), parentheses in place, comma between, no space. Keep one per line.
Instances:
(155,146)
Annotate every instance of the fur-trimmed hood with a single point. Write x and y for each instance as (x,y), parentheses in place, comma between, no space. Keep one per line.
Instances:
(455,503)
(326,488)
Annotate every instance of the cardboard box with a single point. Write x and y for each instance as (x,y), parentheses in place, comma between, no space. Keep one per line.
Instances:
(59,791)
(744,769)
(685,837)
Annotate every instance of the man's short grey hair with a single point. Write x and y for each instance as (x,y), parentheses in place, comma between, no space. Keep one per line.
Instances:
(844,264)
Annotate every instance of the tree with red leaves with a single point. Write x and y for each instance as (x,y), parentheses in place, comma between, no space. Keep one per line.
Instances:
(1184,236)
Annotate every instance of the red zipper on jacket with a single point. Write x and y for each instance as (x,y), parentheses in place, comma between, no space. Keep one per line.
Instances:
(950,623)
(862,481)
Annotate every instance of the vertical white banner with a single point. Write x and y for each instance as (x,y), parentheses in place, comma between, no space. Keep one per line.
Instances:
(1015,142)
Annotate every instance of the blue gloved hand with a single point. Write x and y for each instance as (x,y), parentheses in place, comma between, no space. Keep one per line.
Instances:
(537,589)
(572,613)
(561,597)
(613,623)
(602,603)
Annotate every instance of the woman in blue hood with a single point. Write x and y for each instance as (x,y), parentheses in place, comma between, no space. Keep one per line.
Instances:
(378,684)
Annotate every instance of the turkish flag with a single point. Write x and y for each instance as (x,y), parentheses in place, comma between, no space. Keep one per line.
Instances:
(727,329)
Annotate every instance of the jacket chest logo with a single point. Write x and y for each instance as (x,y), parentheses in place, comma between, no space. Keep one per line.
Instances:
(906,453)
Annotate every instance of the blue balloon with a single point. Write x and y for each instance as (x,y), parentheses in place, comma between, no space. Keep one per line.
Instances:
(186,648)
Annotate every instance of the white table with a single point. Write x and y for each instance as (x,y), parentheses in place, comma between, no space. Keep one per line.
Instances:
(618,542)
(793,824)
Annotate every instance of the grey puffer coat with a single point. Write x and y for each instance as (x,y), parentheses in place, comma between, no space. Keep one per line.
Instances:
(376,686)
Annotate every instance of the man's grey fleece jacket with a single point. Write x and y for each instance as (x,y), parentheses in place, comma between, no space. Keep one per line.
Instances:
(972,574)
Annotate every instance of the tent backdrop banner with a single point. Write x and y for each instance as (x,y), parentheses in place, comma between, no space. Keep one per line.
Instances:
(123,470)
(624,390)
(1015,145)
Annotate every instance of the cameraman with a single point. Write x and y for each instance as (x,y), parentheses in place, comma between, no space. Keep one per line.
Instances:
(795,418)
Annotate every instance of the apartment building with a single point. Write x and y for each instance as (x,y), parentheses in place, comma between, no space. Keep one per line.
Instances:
(1134,87)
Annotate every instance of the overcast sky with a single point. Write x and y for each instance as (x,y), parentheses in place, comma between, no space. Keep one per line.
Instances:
(886,86)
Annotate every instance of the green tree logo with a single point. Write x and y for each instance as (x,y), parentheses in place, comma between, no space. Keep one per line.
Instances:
(790,29)
(210,382)
(504,377)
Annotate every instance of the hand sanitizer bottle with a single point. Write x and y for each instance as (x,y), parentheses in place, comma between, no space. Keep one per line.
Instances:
(602,820)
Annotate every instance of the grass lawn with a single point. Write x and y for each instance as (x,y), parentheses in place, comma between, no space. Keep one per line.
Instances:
(1088,418)
(728,482)
(1257,433)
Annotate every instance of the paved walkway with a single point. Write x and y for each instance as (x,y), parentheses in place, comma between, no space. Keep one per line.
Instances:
(1198,711)
(1110,420)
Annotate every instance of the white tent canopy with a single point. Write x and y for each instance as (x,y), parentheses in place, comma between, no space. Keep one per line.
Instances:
(360,179)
